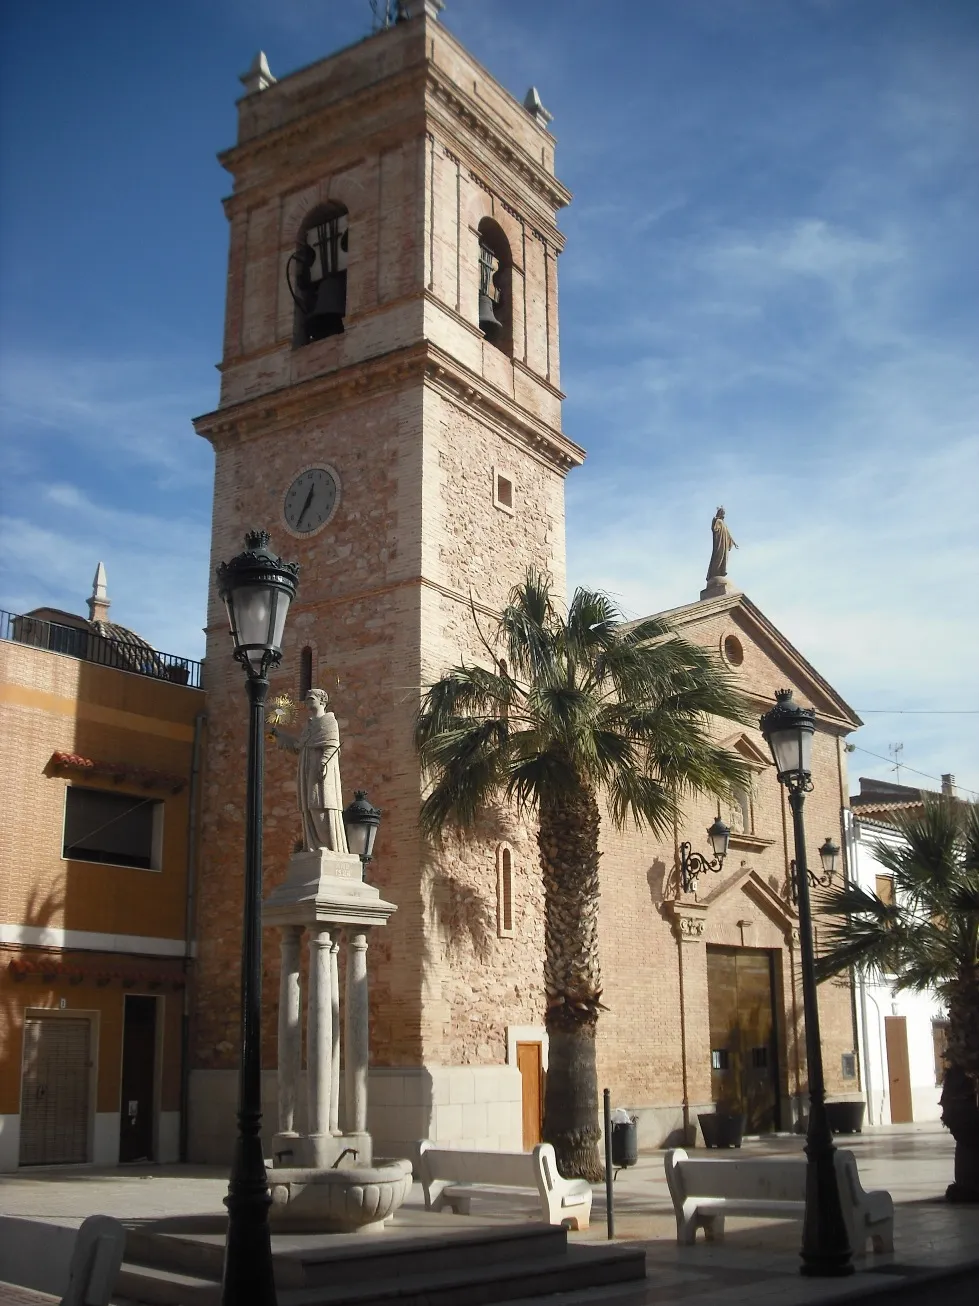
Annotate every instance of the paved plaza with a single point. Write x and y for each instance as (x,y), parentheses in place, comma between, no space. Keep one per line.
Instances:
(757,1262)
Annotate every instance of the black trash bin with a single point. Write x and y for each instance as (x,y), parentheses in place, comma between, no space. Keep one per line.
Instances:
(625,1143)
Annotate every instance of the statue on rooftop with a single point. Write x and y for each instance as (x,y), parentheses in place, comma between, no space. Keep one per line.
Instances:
(723,543)
(318,775)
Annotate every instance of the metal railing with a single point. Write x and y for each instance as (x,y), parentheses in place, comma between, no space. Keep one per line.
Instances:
(89,646)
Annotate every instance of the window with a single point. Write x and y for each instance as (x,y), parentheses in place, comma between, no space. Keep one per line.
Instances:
(317,275)
(305,672)
(759,1058)
(884,888)
(733,650)
(720,1059)
(848,1065)
(504,892)
(502,491)
(114,829)
(495,282)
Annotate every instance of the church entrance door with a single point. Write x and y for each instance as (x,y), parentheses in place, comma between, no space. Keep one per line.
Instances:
(743,1035)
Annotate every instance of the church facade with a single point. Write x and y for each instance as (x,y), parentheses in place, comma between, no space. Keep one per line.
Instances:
(390,411)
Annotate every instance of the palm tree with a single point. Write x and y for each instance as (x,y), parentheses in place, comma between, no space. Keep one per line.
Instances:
(927,938)
(586,707)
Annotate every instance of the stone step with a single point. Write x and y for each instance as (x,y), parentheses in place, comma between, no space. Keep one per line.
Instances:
(577,1268)
(151,1285)
(304,1262)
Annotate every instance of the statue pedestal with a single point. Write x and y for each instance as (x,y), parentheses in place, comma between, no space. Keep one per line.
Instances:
(717,587)
(324,894)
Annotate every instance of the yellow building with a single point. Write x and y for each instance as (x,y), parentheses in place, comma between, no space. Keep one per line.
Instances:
(100,739)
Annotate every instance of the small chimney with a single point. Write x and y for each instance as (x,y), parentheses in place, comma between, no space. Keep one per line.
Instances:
(948,786)
(98,604)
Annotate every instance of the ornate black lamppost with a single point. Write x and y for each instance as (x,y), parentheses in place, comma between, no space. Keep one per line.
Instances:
(693,865)
(826,1250)
(257,589)
(360,820)
(828,853)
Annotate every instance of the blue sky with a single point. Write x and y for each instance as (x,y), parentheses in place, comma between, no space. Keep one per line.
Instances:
(769,300)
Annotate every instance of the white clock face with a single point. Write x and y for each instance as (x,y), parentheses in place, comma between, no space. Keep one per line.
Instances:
(310,500)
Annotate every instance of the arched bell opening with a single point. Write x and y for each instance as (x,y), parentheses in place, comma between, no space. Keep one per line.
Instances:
(495,286)
(317,275)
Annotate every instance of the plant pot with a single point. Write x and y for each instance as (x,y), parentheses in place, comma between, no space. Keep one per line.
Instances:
(721,1129)
(960,1116)
(845,1117)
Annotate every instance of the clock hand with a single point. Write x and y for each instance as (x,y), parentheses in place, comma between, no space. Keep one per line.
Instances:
(309,500)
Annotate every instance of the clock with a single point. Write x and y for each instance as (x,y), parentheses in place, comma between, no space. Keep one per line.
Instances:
(311,500)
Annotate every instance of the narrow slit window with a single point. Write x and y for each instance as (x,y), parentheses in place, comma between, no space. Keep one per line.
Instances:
(504,894)
(305,672)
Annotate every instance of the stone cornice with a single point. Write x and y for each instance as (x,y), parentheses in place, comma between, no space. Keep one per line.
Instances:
(447,104)
(360,381)
(442,91)
(463,386)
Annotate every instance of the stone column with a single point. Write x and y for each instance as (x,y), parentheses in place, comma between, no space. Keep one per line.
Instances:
(356,1038)
(335,1020)
(290,1041)
(319,1032)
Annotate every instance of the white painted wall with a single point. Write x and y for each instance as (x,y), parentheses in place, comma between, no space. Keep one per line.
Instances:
(876,1000)
(9,1143)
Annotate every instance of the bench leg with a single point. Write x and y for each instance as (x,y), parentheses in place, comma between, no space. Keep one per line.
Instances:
(884,1240)
(686,1229)
(576,1222)
(713,1228)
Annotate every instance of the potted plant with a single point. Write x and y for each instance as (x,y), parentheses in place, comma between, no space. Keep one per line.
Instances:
(724,1126)
(927,938)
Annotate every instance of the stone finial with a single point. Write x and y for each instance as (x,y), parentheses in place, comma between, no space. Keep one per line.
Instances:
(98,604)
(434,7)
(532,103)
(259,76)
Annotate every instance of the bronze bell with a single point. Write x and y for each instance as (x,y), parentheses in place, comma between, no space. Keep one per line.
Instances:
(489,323)
(326,317)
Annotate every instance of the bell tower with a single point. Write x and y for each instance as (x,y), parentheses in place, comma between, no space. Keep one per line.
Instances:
(390,412)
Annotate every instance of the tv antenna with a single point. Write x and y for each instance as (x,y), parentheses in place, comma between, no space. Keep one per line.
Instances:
(895,751)
(387,12)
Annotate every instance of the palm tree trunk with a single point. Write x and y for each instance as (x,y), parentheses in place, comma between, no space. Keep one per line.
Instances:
(568,841)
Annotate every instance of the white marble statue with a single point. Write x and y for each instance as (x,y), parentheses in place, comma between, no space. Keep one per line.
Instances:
(318,775)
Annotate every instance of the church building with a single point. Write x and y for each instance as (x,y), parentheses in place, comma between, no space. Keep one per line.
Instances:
(390,411)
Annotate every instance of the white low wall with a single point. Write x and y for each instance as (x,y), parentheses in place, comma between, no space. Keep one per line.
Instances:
(36,1255)
(465,1106)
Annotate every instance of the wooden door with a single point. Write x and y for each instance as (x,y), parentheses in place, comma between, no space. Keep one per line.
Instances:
(898,1069)
(138,1079)
(55,1093)
(530,1063)
(743,1035)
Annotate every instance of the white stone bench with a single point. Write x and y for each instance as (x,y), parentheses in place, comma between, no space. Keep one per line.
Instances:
(452,1178)
(706,1189)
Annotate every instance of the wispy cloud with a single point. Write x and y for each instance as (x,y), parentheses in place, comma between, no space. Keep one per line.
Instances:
(156,565)
(133,412)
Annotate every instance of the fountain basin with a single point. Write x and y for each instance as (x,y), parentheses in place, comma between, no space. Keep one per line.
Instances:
(357,1200)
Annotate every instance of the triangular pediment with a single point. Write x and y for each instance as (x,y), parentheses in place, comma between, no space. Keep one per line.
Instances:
(746,747)
(751,884)
(768,661)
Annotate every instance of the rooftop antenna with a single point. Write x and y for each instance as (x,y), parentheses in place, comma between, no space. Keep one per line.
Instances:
(387,12)
(895,751)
